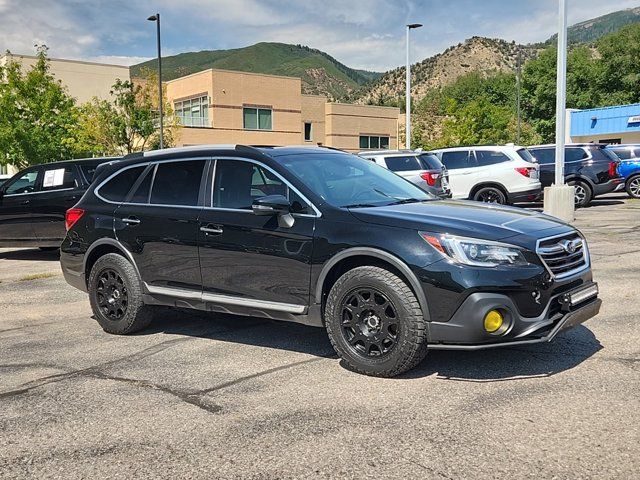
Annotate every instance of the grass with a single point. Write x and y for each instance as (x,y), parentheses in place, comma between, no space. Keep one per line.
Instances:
(37,276)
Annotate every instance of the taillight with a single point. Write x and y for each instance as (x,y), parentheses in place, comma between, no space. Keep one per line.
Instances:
(430,177)
(72,216)
(526,171)
(613,169)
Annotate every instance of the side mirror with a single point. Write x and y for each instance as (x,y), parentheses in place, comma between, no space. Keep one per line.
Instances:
(271,205)
(274,205)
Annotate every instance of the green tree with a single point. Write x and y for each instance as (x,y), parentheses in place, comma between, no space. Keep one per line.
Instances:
(38,118)
(619,74)
(129,123)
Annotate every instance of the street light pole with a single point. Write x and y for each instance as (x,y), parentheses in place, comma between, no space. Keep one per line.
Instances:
(561,96)
(156,18)
(559,199)
(407,107)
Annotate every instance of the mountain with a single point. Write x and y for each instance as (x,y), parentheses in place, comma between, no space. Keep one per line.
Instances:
(591,30)
(475,54)
(320,73)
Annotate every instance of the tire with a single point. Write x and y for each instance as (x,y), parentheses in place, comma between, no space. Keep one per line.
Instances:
(115,294)
(633,186)
(583,193)
(490,195)
(383,345)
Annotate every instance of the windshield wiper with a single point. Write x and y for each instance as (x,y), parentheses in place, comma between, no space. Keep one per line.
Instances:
(401,201)
(360,205)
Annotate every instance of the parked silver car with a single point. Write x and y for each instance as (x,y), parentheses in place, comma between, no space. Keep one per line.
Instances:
(421,168)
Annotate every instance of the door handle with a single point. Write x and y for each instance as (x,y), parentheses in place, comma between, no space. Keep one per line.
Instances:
(209,229)
(131,221)
(25,202)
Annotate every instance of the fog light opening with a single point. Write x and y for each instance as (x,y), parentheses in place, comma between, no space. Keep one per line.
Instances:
(496,322)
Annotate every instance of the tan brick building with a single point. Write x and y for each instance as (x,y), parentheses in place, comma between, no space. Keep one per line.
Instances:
(219,106)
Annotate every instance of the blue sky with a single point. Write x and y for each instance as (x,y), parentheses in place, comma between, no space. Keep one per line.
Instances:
(360,33)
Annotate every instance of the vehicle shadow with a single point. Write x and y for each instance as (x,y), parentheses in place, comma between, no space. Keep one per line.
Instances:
(34,254)
(568,350)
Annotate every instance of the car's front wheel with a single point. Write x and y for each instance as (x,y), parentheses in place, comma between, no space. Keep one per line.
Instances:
(375,322)
(115,295)
(633,186)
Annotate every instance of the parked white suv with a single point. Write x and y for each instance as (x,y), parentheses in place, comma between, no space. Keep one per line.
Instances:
(494,174)
(419,167)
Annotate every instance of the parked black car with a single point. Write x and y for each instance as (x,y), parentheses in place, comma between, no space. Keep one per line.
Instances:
(33,202)
(589,167)
(322,237)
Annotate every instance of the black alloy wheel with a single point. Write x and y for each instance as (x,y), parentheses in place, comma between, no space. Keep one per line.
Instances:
(112,295)
(490,195)
(369,322)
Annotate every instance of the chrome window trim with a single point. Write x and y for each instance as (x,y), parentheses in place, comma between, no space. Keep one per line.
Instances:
(40,191)
(227,299)
(96,191)
(266,167)
(570,273)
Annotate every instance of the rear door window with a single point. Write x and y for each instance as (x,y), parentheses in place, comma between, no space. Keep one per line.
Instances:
(118,187)
(177,183)
(455,160)
(63,178)
(490,157)
(403,164)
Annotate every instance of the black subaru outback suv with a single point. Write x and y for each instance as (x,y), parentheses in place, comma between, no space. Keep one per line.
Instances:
(324,238)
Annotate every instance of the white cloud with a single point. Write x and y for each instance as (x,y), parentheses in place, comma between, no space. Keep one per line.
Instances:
(360,33)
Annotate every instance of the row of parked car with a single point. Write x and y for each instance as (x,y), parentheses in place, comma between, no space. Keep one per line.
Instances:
(512,174)
(34,201)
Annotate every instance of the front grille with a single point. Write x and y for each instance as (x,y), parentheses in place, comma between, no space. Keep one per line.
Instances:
(564,255)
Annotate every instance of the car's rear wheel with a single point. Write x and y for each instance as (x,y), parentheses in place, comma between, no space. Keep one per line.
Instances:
(583,194)
(633,186)
(490,195)
(375,322)
(115,294)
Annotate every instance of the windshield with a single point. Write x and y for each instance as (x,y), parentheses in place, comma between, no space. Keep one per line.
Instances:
(344,180)
(526,155)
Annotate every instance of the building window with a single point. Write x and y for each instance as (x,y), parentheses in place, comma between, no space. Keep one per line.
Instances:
(307,132)
(257,118)
(370,141)
(193,112)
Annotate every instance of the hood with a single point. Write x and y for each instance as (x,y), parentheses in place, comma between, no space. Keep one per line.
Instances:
(466,218)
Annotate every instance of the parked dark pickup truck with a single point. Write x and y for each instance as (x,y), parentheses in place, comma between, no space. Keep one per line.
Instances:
(33,202)
(589,167)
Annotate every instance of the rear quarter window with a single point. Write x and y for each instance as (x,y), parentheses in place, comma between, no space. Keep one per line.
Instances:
(430,161)
(575,154)
(116,189)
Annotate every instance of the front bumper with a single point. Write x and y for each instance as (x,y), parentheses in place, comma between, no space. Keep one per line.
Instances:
(465,330)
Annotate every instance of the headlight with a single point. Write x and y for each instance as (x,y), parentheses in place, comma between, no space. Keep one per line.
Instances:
(476,252)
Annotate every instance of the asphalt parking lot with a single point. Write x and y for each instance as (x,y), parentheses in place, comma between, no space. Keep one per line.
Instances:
(212,396)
